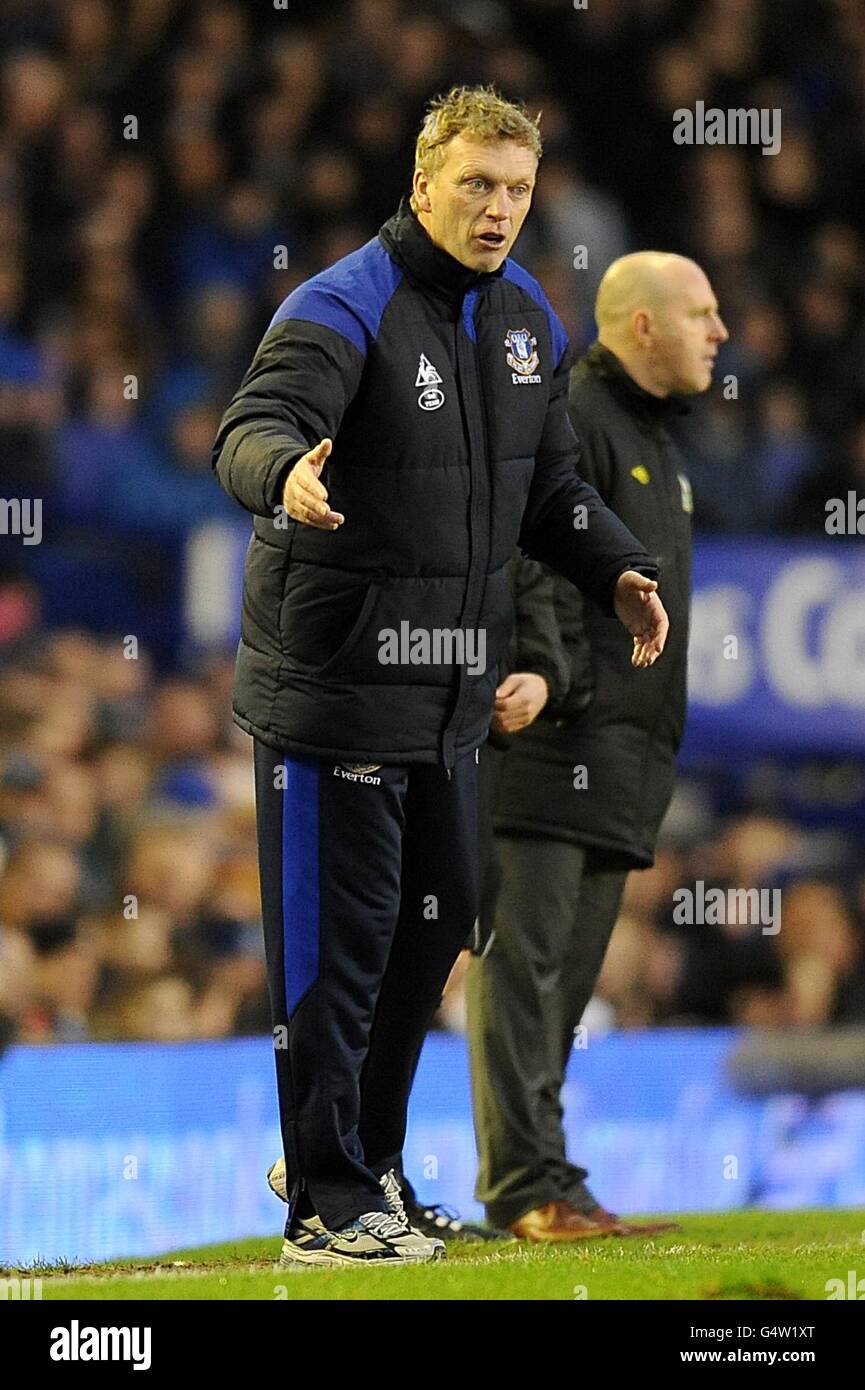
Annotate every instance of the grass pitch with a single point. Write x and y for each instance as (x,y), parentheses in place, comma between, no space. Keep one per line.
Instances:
(751,1255)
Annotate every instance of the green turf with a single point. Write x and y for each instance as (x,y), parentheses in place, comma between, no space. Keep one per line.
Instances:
(738,1255)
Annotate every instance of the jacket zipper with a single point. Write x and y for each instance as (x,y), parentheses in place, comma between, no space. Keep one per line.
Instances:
(471,390)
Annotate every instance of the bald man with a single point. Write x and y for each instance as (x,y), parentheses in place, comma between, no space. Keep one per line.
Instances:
(582,786)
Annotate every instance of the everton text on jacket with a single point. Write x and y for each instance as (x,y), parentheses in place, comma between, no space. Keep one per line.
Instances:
(445,393)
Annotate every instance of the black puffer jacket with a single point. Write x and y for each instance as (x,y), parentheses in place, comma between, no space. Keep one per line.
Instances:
(445,392)
(625,726)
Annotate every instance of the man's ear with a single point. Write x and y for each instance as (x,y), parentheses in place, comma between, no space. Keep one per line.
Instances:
(420,185)
(641,327)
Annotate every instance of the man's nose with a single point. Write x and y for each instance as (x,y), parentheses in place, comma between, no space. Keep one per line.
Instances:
(720,330)
(499,206)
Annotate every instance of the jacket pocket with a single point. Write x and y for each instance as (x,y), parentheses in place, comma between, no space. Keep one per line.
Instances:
(321,612)
(343,659)
(405,631)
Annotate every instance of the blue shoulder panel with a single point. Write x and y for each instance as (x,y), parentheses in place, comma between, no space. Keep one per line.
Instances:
(469,306)
(518,276)
(350,297)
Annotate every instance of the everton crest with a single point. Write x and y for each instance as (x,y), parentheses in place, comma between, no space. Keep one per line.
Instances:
(522,356)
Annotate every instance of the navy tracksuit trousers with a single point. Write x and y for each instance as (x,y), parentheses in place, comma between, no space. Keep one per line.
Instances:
(369,885)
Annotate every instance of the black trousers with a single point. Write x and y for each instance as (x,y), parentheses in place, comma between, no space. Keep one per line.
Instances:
(554,911)
(369,886)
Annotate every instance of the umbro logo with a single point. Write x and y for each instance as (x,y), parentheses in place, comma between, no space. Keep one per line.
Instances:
(430,397)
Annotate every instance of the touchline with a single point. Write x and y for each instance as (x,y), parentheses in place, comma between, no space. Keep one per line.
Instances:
(77,1343)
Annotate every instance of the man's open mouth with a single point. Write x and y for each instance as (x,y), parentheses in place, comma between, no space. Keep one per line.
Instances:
(492,238)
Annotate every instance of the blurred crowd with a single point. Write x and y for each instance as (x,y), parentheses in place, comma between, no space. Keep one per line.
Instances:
(129,901)
(803,966)
(169,171)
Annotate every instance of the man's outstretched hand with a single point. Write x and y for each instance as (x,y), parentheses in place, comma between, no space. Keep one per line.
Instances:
(641,611)
(305,496)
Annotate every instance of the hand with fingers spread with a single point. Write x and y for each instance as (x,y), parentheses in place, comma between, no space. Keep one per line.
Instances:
(305,496)
(641,611)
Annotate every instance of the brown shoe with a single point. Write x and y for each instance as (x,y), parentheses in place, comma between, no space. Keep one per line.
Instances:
(631,1228)
(561,1221)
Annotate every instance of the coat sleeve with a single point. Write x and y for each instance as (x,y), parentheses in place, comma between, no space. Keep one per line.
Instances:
(565,524)
(538,643)
(296,391)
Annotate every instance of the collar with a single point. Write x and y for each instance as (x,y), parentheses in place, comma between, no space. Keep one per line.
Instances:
(599,361)
(411,247)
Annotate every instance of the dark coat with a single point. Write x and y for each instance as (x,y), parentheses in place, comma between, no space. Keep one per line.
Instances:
(622,725)
(445,393)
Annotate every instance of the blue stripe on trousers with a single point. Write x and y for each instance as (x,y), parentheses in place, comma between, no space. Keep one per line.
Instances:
(300,869)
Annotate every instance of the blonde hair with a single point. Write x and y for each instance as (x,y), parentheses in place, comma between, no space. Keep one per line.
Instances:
(481,113)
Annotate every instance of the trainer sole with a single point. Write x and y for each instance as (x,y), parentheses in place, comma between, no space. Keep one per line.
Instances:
(324,1257)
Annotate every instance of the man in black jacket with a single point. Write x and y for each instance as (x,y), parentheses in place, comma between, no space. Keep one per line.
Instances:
(582,792)
(402,428)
